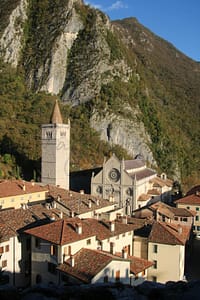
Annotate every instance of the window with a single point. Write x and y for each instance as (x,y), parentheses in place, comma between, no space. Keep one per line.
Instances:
(188,207)
(65,278)
(197,218)
(105,279)
(49,134)
(155,264)
(4,263)
(117,275)
(1,250)
(176,218)
(154,278)
(88,242)
(197,208)
(63,133)
(124,234)
(54,250)
(38,278)
(28,244)
(37,243)
(51,268)
(7,248)
(155,248)
(198,228)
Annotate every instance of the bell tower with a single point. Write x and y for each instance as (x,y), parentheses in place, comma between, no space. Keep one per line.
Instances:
(56,150)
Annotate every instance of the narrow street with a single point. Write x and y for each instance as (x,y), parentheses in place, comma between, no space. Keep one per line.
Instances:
(192,270)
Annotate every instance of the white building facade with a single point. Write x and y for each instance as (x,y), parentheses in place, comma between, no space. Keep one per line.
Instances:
(56,150)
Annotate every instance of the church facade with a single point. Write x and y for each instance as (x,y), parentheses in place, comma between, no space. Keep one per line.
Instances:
(129,183)
(56,150)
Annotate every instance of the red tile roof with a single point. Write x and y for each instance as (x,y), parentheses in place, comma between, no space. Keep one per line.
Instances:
(193,199)
(77,202)
(19,187)
(159,182)
(63,232)
(88,263)
(138,265)
(20,218)
(167,233)
(144,197)
(5,232)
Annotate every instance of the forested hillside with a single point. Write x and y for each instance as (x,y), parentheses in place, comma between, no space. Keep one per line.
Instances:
(119,72)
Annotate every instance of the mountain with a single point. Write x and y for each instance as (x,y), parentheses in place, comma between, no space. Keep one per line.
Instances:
(124,88)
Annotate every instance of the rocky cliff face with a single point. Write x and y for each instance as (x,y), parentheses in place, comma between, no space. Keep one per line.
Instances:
(11,42)
(130,79)
(130,134)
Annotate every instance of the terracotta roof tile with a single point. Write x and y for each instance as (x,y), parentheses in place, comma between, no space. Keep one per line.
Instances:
(139,264)
(167,233)
(193,199)
(5,232)
(63,232)
(87,264)
(19,187)
(144,197)
(77,202)
(21,218)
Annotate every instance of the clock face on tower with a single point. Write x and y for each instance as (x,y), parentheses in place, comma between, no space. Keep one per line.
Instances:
(114,175)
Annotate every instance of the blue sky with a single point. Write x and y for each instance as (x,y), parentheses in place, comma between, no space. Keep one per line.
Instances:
(177,21)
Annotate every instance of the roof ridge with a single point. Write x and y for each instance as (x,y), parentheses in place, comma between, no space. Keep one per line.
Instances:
(62,231)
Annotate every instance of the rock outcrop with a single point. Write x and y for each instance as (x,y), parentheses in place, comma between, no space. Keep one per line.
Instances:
(11,42)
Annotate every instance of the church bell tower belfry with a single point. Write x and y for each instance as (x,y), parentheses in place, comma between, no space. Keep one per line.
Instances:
(56,150)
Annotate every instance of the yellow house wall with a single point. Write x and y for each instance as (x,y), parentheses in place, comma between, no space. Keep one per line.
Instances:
(18,200)
(195,208)
(140,247)
(170,262)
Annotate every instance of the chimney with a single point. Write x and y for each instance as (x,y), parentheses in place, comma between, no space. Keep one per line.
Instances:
(79,228)
(52,218)
(89,203)
(180,229)
(124,220)
(32,182)
(61,215)
(82,192)
(197,193)
(72,214)
(124,253)
(111,198)
(97,202)
(72,261)
(112,226)
(23,187)
(112,248)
